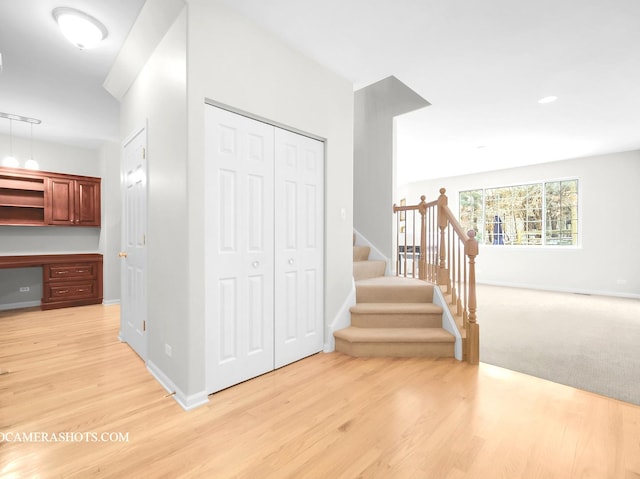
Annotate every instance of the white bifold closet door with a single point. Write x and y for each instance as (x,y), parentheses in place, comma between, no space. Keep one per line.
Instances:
(299,238)
(263,247)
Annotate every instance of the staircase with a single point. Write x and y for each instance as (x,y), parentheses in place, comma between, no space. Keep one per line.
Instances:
(393,316)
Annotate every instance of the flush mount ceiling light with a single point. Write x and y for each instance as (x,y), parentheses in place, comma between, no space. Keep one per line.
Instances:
(548,99)
(79,28)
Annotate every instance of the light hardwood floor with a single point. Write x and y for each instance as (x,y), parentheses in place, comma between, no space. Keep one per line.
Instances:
(328,416)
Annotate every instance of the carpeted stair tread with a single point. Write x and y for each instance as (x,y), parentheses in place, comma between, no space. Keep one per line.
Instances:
(394,281)
(363,270)
(396,308)
(393,316)
(395,335)
(361,253)
(392,289)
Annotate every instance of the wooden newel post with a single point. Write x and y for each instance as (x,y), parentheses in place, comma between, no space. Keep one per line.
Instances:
(473,332)
(422,264)
(443,276)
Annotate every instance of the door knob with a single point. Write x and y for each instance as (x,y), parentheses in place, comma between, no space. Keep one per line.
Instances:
(123,254)
(255,264)
(290,261)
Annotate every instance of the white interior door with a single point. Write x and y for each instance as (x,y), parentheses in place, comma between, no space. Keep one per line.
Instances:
(299,238)
(133,294)
(239,221)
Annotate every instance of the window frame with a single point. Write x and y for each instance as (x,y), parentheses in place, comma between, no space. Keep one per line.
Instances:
(483,240)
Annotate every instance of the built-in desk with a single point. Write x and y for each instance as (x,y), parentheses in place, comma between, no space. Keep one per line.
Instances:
(67,279)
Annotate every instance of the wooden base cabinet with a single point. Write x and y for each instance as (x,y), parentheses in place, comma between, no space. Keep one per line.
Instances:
(75,283)
(67,279)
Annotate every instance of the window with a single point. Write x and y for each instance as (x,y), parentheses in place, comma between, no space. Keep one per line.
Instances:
(533,214)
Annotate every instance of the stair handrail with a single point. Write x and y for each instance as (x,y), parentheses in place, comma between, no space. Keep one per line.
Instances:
(406,245)
(446,256)
(465,300)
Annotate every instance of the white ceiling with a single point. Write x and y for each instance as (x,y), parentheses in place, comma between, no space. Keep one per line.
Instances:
(482,65)
(47,78)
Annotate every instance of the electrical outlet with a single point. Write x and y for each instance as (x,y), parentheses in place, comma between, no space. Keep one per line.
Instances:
(24,289)
(168,350)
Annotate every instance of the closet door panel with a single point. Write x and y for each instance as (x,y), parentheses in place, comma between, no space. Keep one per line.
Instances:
(299,243)
(239,219)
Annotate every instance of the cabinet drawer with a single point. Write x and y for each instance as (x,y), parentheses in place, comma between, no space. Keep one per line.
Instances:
(61,272)
(75,290)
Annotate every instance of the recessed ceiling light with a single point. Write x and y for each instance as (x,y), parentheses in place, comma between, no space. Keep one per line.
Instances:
(79,28)
(548,99)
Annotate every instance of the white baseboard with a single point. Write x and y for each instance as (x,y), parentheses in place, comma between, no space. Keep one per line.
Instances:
(186,402)
(448,323)
(25,304)
(109,302)
(562,290)
(341,321)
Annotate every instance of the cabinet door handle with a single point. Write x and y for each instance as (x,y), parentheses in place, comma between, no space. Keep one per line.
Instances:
(123,254)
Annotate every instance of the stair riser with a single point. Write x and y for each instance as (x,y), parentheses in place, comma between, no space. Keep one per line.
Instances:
(382,294)
(368,269)
(366,320)
(361,253)
(396,350)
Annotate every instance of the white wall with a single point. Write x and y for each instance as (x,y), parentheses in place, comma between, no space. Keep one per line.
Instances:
(158,98)
(607,260)
(230,61)
(111,220)
(55,157)
(23,240)
(374,157)
(233,62)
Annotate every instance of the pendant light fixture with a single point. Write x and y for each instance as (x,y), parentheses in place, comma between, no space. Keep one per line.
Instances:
(80,28)
(31,164)
(10,161)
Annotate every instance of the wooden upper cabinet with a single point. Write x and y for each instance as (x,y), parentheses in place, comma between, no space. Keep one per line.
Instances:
(22,198)
(73,201)
(88,202)
(61,208)
(40,198)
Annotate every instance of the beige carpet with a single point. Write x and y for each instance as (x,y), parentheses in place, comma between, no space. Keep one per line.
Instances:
(588,342)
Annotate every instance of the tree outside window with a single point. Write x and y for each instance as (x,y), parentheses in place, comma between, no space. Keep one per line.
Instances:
(532,214)
(471,212)
(561,212)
